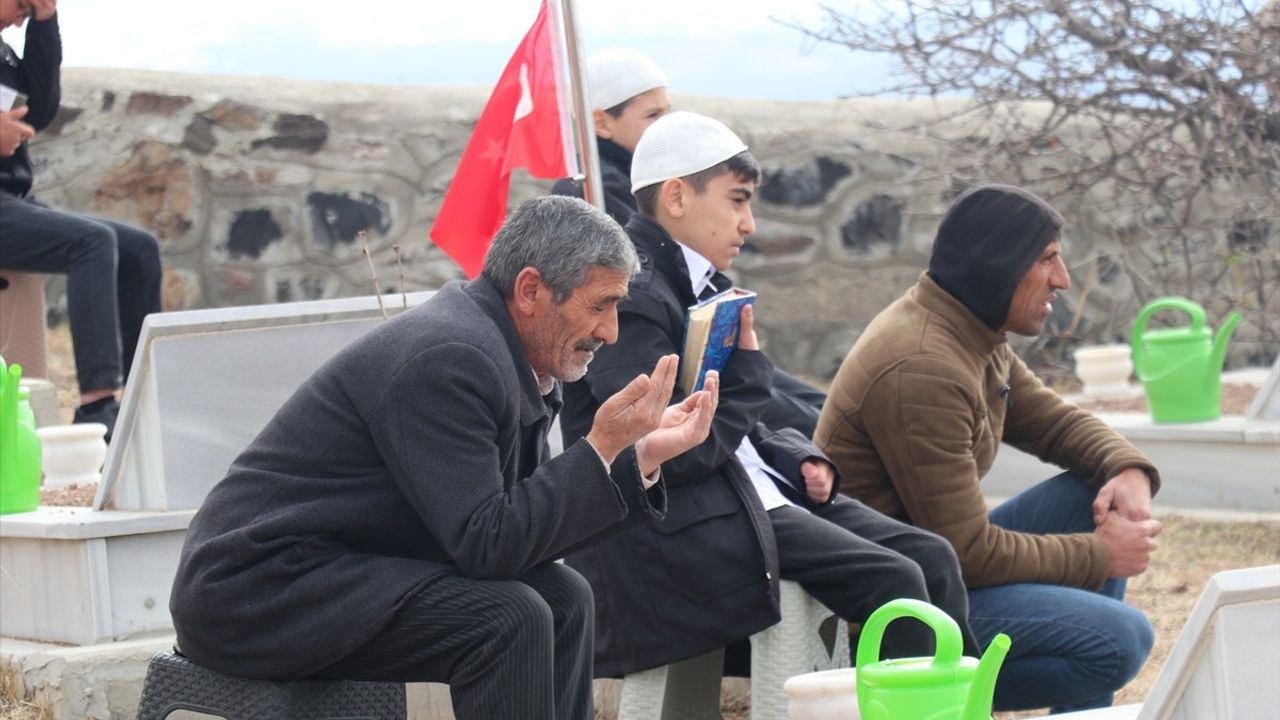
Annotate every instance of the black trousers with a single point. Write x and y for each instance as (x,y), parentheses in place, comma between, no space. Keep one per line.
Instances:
(853,559)
(113,280)
(507,648)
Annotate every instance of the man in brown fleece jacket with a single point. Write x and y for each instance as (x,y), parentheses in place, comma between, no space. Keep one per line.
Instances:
(916,415)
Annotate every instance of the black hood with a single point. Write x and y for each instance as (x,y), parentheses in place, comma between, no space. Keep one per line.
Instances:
(987,242)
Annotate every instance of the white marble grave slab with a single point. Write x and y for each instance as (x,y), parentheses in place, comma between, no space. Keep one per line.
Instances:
(206,381)
(1224,664)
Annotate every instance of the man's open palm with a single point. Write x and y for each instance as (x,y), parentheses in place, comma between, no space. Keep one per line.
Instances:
(682,428)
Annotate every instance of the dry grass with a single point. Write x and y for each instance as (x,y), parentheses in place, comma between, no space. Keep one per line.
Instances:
(62,371)
(17,704)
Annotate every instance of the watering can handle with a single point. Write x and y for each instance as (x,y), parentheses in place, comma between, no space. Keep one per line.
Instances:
(945,630)
(1194,311)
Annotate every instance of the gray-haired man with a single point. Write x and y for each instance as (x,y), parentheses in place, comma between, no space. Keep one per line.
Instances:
(398,518)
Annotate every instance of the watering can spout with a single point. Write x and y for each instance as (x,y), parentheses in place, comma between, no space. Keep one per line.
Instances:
(1220,341)
(983,689)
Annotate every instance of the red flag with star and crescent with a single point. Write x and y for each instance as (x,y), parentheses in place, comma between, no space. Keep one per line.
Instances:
(524,124)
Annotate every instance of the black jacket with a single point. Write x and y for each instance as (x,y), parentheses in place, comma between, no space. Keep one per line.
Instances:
(415,452)
(615,176)
(38,76)
(707,574)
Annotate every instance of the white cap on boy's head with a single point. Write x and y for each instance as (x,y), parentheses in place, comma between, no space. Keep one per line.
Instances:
(619,74)
(679,144)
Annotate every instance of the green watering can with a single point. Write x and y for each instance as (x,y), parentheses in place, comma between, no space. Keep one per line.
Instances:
(1181,368)
(946,686)
(19,446)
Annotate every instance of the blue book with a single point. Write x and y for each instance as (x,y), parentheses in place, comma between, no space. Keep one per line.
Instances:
(711,335)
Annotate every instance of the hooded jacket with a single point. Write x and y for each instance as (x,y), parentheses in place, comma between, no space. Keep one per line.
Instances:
(920,406)
(986,243)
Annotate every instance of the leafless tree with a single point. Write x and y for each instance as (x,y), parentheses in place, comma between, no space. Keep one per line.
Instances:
(1154,125)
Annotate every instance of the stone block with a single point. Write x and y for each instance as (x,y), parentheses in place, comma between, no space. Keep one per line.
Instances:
(301,133)
(198,137)
(804,186)
(874,230)
(181,289)
(154,103)
(154,187)
(234,115)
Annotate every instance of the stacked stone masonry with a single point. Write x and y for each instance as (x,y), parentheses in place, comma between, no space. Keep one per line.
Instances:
(259,189)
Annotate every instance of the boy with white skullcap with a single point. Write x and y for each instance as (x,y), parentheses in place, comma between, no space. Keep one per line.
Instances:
(755,502)
(628,92)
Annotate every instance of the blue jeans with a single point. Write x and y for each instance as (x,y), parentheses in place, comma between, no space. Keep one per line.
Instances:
(1072,648)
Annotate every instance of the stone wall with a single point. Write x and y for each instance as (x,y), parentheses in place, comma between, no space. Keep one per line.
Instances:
(257,189)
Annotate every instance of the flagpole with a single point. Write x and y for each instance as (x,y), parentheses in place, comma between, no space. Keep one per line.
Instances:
(583,125)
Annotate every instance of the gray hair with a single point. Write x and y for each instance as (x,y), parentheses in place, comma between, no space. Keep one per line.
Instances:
(562,238)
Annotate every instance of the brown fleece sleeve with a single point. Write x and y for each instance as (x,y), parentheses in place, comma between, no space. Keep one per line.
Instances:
(1040,423)
(928,423)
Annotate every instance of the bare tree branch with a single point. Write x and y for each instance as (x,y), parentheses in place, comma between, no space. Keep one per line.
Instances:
(1162,116)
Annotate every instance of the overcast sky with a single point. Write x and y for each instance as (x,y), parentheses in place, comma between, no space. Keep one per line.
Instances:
(733,48)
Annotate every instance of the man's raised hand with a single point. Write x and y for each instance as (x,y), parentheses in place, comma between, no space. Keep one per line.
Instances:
(683,427)
(634,411)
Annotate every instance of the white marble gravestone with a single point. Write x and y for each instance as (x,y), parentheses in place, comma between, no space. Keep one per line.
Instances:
(1225,663)
(206,381)
(1266,404)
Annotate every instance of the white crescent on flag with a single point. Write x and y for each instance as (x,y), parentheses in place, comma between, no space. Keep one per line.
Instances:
(525,105)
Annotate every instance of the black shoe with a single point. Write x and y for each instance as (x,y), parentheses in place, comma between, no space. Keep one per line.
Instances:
(99,411)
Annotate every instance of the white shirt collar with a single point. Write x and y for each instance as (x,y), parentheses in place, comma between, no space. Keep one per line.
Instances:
(700,268)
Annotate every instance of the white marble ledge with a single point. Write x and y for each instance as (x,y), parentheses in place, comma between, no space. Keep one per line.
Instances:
(82,523)
(1226,429)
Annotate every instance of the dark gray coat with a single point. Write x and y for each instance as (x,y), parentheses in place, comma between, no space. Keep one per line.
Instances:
(415,452)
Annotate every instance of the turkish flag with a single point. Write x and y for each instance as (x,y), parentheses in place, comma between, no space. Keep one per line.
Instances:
(522,125)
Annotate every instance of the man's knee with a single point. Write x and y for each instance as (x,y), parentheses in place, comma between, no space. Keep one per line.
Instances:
(95,243)
(1133,636)
(568,591)
(935,555)
(904,577)
(525,613)
(140,245)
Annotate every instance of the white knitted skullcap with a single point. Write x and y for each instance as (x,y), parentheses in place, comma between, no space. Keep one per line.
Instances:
(679,144)
(619,74)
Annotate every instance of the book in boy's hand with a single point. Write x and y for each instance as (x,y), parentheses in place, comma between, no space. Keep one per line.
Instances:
(711,335)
